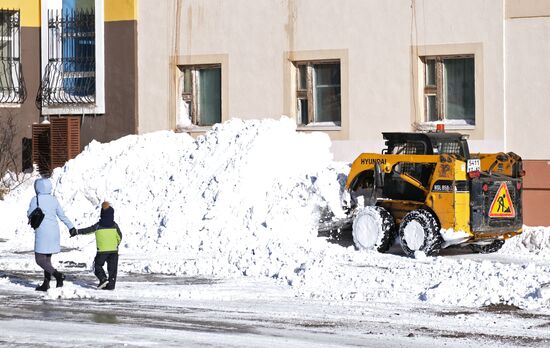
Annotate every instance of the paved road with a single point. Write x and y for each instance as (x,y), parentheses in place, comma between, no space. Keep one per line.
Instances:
(222,314)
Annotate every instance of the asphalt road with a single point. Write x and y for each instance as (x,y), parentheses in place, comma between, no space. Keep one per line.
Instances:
(227,319)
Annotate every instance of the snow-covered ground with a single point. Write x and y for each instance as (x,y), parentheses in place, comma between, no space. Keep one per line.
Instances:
(241,205)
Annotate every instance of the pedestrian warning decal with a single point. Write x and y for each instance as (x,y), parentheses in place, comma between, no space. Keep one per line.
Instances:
(502,205)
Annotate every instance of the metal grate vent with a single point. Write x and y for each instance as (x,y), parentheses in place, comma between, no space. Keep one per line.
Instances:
(55,143)
(41,148)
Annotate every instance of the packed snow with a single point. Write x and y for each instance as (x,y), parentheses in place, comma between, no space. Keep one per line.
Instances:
(244,200)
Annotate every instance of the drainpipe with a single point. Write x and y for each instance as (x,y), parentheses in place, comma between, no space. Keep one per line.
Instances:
(504,79)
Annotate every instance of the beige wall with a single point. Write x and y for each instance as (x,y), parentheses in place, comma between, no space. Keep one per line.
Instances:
(528,83)
(378,43)
(155,42)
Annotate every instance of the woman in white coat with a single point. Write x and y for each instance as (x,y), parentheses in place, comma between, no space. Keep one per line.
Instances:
(46,241)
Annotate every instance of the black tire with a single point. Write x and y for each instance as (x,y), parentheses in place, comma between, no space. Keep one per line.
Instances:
(419,231)
(488,248)
(373,229)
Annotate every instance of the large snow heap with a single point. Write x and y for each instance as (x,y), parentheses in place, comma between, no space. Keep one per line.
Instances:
(240,199)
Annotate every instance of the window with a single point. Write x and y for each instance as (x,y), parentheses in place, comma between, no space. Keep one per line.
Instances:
(72,57)
(12,86)
(69,77)
(449,89)
(200,92)
(318,95)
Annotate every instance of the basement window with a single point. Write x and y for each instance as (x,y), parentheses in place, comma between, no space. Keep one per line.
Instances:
(318,93)
(12,85)
(449,89)
(200,93)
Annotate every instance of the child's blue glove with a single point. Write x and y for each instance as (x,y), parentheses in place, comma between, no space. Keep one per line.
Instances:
(73,232)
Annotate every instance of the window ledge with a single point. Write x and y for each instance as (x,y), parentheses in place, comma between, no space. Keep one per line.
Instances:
(193,129)
(431,126)
(325,126)
(10,105)
(73,110)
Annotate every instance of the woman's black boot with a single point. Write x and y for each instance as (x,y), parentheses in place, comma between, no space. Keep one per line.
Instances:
(59,277)
(46,284)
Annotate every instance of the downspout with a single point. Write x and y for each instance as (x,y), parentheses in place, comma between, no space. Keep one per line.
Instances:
(175,46)
(504,79)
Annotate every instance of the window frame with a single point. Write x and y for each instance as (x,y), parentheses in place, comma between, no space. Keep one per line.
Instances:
(308,94)
(81,109)
(437,90)
(192,96)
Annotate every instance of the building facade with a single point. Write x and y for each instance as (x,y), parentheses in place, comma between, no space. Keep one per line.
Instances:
(69,58)
(351,69)
(354,69)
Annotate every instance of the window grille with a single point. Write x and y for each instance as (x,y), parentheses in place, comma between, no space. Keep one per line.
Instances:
(69,76)
(12,84)
(449,147)
(410,148)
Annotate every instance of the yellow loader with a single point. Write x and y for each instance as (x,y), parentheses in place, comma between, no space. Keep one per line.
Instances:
(429,191)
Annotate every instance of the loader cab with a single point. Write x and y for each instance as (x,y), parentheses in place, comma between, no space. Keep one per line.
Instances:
(418,144)
(426,144)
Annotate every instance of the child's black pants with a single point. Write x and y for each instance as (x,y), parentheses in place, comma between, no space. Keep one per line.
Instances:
(112,266)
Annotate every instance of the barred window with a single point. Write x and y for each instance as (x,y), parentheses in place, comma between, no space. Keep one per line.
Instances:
(69,76)
(12,86)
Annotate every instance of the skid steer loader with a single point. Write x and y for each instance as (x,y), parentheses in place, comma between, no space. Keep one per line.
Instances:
(430,192)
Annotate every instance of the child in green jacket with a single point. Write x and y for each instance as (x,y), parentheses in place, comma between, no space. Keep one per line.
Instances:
(108,237)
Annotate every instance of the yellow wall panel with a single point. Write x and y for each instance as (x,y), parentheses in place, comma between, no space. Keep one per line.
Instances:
(30,11)
(120,10)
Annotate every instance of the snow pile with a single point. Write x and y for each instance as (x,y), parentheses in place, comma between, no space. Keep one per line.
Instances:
(486,283)
(69,292)
(534,240)
(369,276)
(243,199)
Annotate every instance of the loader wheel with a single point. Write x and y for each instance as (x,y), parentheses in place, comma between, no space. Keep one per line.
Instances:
(419,231)
(489,248)
(373,228)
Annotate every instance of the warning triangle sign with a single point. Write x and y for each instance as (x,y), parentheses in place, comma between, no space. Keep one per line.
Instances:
(502,205)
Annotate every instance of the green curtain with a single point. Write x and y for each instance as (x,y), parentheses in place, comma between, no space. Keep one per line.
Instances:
(459,89)
(210,104)
(327,93)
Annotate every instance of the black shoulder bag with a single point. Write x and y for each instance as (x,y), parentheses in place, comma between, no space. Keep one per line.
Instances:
(37,215)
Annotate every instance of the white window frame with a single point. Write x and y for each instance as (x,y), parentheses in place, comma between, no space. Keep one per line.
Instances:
(99,106)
